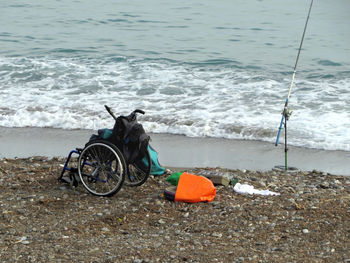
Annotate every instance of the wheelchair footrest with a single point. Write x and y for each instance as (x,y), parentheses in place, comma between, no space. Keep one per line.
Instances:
(72,179)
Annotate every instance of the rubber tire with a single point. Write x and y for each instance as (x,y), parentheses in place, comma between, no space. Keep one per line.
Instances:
(133,168)
(120,164)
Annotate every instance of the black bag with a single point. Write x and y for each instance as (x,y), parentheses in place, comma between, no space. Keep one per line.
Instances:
(130,137)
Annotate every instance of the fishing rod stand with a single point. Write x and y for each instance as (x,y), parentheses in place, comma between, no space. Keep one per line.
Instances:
(286,115)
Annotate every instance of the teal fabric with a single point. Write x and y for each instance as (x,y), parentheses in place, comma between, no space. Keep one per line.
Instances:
(156,169)
(107,133)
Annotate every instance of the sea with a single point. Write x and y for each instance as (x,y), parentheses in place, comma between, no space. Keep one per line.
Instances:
(198,68)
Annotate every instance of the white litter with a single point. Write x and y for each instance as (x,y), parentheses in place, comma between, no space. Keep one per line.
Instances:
(249,189)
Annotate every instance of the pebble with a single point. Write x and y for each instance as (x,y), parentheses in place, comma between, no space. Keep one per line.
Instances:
(161,221)
(21,211)
(324,185)
(216,234)
(305,230)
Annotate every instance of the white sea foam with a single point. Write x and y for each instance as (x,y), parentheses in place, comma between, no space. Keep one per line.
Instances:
(213,101)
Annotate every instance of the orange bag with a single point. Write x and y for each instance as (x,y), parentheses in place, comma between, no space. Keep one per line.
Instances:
(193,188)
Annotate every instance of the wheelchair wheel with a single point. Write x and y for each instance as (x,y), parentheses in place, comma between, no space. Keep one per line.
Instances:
(138,172)
(101,168)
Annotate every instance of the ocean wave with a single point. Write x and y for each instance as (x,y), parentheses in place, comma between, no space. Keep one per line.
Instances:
(329,63)
(213,100)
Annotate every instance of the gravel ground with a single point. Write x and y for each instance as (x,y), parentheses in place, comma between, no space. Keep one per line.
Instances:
(42,220)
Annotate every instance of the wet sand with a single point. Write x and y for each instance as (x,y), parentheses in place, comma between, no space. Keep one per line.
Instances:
(180,151)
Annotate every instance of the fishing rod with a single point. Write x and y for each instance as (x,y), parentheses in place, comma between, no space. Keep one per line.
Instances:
(286,113)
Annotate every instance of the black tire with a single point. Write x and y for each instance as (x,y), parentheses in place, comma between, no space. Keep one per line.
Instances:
(101,168)
(138,172)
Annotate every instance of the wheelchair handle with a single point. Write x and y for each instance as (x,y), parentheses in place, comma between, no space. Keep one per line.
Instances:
(132,115)
(139,111)
(110,112)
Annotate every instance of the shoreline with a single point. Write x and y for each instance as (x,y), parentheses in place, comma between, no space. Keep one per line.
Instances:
(180,151)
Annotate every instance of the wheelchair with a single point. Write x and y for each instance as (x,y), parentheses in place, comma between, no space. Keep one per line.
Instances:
(111,158)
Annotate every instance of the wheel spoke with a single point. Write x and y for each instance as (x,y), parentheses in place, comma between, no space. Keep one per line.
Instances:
(101,168)
(138,172)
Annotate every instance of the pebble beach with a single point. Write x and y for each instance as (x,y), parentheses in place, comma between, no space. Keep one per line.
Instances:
(43,220)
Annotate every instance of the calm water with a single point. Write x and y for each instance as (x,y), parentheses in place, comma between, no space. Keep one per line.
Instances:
(200,68)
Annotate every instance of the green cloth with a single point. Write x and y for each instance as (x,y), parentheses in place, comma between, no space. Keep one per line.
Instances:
(174,178)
